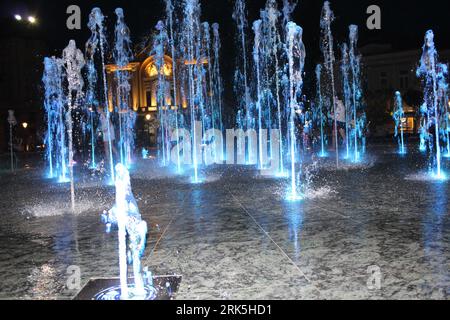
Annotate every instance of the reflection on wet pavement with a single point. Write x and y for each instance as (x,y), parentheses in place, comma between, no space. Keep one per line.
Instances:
(235,237)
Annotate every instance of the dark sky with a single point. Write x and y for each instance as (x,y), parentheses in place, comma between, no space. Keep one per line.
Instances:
(404,22)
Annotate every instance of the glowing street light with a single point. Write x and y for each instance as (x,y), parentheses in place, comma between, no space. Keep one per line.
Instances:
(31,19)
(18,17)
(25,125)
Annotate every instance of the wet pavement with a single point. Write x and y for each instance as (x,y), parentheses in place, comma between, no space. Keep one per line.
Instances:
(236,237)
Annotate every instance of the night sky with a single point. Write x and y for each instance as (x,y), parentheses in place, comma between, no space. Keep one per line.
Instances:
(404,22)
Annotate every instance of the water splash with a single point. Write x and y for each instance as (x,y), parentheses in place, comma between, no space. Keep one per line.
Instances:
(73,63)
(434,76)
(245,119)
(159,46)
(132,235)
(399,116)
(259,104)
(274,47)
(345,69)
(217,85)
(170,16)
(288,8)
(359,116)
(145,154)
(54,102)
(92,101)
(123,55)
(97,42)
(327,47)
(320,112)
(192,56)
(296,60)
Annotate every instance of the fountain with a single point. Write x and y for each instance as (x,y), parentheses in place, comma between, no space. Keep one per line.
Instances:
(169,23)
(443,93)
(211,104)
(259,104)
(274,46)
(91,97)
(217,79)
(123,56)
(320,113)
(288,9)
(327,47)
(73,60)
(245,120)
(296,60)
(54,100)
(132,231)
(433,109)
(357,94)
(97,42)
(345,68)
(191,28)
(399,116)
(159,46)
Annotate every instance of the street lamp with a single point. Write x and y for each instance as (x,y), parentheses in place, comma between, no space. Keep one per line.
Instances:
(25,125)
(32,20)
(18,17)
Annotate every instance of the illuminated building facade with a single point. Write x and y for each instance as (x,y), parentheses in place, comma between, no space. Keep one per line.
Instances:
(144,77)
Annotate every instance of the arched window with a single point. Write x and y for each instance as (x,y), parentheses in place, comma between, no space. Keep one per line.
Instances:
(149,76)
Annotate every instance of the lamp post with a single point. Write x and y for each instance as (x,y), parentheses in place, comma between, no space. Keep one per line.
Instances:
(12,122)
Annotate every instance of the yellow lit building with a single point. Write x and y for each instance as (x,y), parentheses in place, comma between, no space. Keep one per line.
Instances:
(144,76)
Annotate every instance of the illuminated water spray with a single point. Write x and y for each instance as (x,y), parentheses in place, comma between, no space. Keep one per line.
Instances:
(345,68)
(73,60)
(274,48)
(91,93)
(50,106)
(359,116)
(132,237)
(259,103)
(288,8)
(54,102)
(245,119)
(217,84)
(296,60)
(433,109)
(123,56)
(97,42)
(444,93)
(212,102)
(159,47)
(398,116)
(320,113)
(191,34)
(170,17)
(327,46)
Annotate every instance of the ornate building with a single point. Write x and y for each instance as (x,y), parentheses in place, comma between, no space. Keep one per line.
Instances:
(144,77)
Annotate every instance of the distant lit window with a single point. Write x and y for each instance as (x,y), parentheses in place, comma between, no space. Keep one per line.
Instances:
(152,70)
